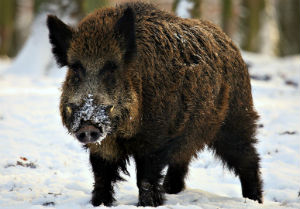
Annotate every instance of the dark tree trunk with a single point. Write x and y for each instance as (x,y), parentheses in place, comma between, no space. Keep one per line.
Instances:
(7,27)
(289,26)
(251,22)
(175,5)
(227,16)
(196,10)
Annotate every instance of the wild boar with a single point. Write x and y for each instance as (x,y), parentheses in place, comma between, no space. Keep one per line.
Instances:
(145,83)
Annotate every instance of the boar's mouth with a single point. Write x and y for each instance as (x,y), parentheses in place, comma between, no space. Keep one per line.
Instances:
(91,121)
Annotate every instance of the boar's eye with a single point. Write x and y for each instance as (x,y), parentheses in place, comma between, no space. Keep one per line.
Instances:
(107,73)
(109,66)
(77,69)
(77,66)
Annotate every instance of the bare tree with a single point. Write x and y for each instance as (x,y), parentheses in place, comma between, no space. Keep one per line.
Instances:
(196,10)
(251,23)
(227,16)
(289,26)
(7,27)
(175,5)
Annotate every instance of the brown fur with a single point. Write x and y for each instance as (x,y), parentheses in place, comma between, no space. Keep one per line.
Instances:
(182,85)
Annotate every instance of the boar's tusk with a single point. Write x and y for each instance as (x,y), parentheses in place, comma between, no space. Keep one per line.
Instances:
(69,110)
(112,108)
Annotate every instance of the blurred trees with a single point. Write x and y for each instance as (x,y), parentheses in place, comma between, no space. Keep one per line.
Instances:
(251,23)
(7,27)
(244,20)
(289,26)
(196,10)
(227,14)
(16,17)
(175,5)
(89,5)
(257,25)
(76,8)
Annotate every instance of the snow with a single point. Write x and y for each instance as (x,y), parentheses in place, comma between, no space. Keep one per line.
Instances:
(37,58)
(183,8)
(42,166)
(91,112)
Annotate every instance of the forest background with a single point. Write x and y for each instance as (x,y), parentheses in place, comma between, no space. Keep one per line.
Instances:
(265,26)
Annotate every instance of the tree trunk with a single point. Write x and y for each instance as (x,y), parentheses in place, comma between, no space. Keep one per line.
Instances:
(289,26)
(196,10)
(175,5)
(251,22)
(227,16)
(7,27)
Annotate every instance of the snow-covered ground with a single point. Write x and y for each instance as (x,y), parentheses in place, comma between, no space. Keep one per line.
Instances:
(41,166)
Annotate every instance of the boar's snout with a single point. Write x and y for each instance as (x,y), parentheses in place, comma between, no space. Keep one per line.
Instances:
(88,133)
(90,121)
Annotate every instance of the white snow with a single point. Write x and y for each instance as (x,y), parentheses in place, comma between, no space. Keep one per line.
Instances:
(36,53)
(180,38)
(42,166)
(91,112)
(183,8)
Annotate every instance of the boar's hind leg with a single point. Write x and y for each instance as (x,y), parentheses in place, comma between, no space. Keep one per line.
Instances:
(235,146)
(106,173)
(149,170)
(174,180)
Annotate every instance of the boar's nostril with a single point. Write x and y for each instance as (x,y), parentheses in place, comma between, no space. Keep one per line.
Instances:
(81,136)
(94,135)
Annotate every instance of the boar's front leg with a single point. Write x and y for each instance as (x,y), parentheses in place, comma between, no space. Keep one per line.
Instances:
(106,173)
(149,175)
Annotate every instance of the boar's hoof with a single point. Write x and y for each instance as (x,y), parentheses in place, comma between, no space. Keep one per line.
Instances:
(100,198)
(256,196)
(88,133)
(150,195)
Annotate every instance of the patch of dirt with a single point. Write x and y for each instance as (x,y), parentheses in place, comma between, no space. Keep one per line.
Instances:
(288,133)
(291,83)
(22,162)
(54,194)
(261,77)
(48,204)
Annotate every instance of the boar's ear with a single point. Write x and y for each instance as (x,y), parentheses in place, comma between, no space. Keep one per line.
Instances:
(60,36)
(126,28)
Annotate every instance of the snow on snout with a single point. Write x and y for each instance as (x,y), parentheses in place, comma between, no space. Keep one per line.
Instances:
(91,112)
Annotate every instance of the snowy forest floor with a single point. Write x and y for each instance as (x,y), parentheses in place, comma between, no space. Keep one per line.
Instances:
(41,166)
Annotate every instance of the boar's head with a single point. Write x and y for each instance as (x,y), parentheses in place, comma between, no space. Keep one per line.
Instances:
(99,96)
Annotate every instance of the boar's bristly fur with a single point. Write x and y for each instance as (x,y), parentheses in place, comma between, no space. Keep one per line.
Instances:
(144,83)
